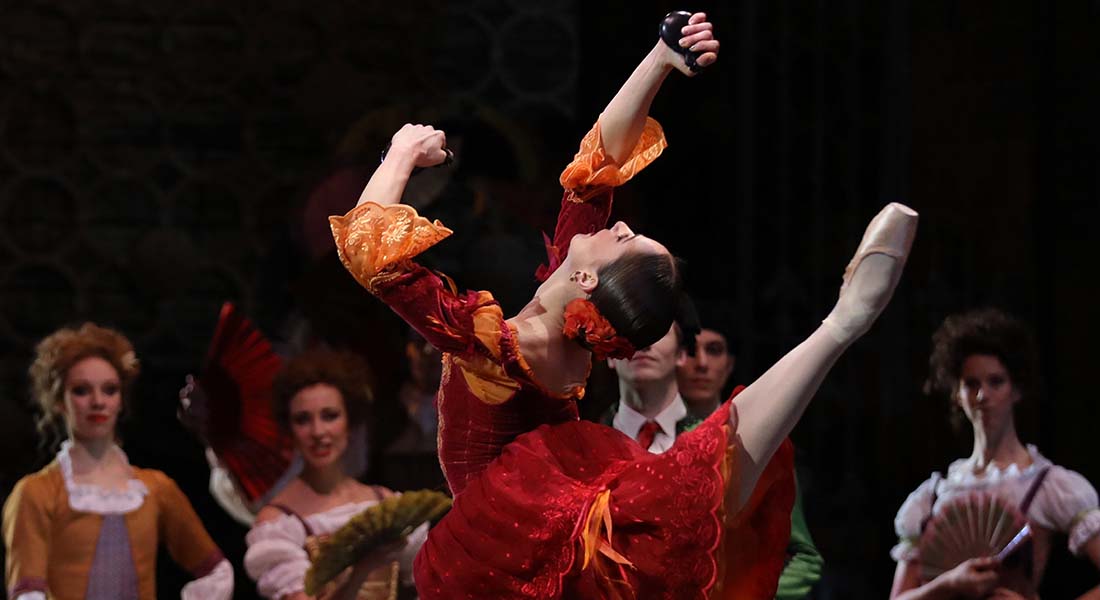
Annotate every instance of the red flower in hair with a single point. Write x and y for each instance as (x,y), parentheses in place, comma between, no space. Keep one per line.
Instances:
(585,325)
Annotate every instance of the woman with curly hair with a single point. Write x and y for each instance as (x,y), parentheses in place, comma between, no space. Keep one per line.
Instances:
(89,524)
(318,397)
(985,362)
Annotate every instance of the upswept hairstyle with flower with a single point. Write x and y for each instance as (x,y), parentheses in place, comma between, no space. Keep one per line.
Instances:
(58,352)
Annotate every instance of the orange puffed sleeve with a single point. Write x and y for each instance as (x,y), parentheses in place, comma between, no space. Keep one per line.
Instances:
(180,529)
(375,241)
(591,169)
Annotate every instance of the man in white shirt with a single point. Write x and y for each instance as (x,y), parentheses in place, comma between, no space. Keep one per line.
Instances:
(650,409)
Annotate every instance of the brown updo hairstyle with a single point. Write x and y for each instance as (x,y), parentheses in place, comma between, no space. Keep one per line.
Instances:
(345,371)
(62,349)
(987,331)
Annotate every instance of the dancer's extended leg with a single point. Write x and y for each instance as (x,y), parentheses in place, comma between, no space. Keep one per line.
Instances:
(769,408)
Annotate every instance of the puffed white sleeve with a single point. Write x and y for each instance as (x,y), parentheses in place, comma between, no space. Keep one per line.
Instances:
(227,493)
(215,585)
(276,558)
(907,524)
(1068,504)
(413,543)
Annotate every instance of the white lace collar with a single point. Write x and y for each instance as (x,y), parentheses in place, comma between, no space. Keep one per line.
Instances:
(90,498)
(961,472)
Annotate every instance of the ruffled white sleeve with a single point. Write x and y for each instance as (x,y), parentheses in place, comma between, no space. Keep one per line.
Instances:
(413,543)
(30,596)
(907,524)
(215,585)
(276,558)
(225,491)
(1068,504)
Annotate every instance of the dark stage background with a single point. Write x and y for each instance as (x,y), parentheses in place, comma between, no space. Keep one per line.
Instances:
(157,158)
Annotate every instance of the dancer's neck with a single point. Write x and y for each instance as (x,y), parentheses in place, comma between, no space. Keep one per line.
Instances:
(90,452)
(558,363)
(95,461)
(324,480)
(649,398)
(999,446)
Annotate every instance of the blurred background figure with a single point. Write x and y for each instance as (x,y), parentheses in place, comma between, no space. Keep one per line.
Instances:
(650,410)
(985,363)
(411,461)
(318,397)
(703,375)
(89,524)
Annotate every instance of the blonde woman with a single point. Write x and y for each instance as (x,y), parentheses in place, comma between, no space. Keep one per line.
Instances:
(89,524)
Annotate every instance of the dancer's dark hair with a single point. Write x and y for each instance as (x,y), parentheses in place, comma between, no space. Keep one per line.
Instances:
(640,295)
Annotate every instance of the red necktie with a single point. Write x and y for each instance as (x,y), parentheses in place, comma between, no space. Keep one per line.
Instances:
(647,433)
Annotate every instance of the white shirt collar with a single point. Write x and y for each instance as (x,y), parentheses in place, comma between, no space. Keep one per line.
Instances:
(630,421)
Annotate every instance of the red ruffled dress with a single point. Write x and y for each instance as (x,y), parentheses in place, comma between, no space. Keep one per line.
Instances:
(546,505)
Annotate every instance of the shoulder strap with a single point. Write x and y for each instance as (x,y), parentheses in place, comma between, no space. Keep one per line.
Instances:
(290,511)
(1025,504)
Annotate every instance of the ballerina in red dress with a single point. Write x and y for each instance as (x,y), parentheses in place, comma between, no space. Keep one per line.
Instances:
(547,506)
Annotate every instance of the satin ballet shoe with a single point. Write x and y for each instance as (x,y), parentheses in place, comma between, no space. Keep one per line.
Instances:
(862,299)
(671,32)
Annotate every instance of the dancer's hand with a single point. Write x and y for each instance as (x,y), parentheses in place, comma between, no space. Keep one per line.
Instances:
(349,584)
(424,144)
(974,578)
(381,556)
(698,36)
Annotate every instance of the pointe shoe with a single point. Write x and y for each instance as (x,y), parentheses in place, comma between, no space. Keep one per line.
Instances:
(890,235)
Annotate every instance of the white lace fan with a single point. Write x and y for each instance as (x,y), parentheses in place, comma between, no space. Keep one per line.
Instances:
(965,527)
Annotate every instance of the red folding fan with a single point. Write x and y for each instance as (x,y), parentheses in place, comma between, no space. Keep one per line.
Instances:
(233,411)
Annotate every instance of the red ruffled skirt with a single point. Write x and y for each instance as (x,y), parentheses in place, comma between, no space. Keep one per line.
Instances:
(579,510)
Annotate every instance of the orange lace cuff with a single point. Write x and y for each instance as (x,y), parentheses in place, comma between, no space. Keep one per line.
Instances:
(591,169)
(373,241)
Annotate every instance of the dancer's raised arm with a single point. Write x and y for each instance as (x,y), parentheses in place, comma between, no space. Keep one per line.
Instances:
(623,121)
(411,147)
(623,141)
(380,238)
